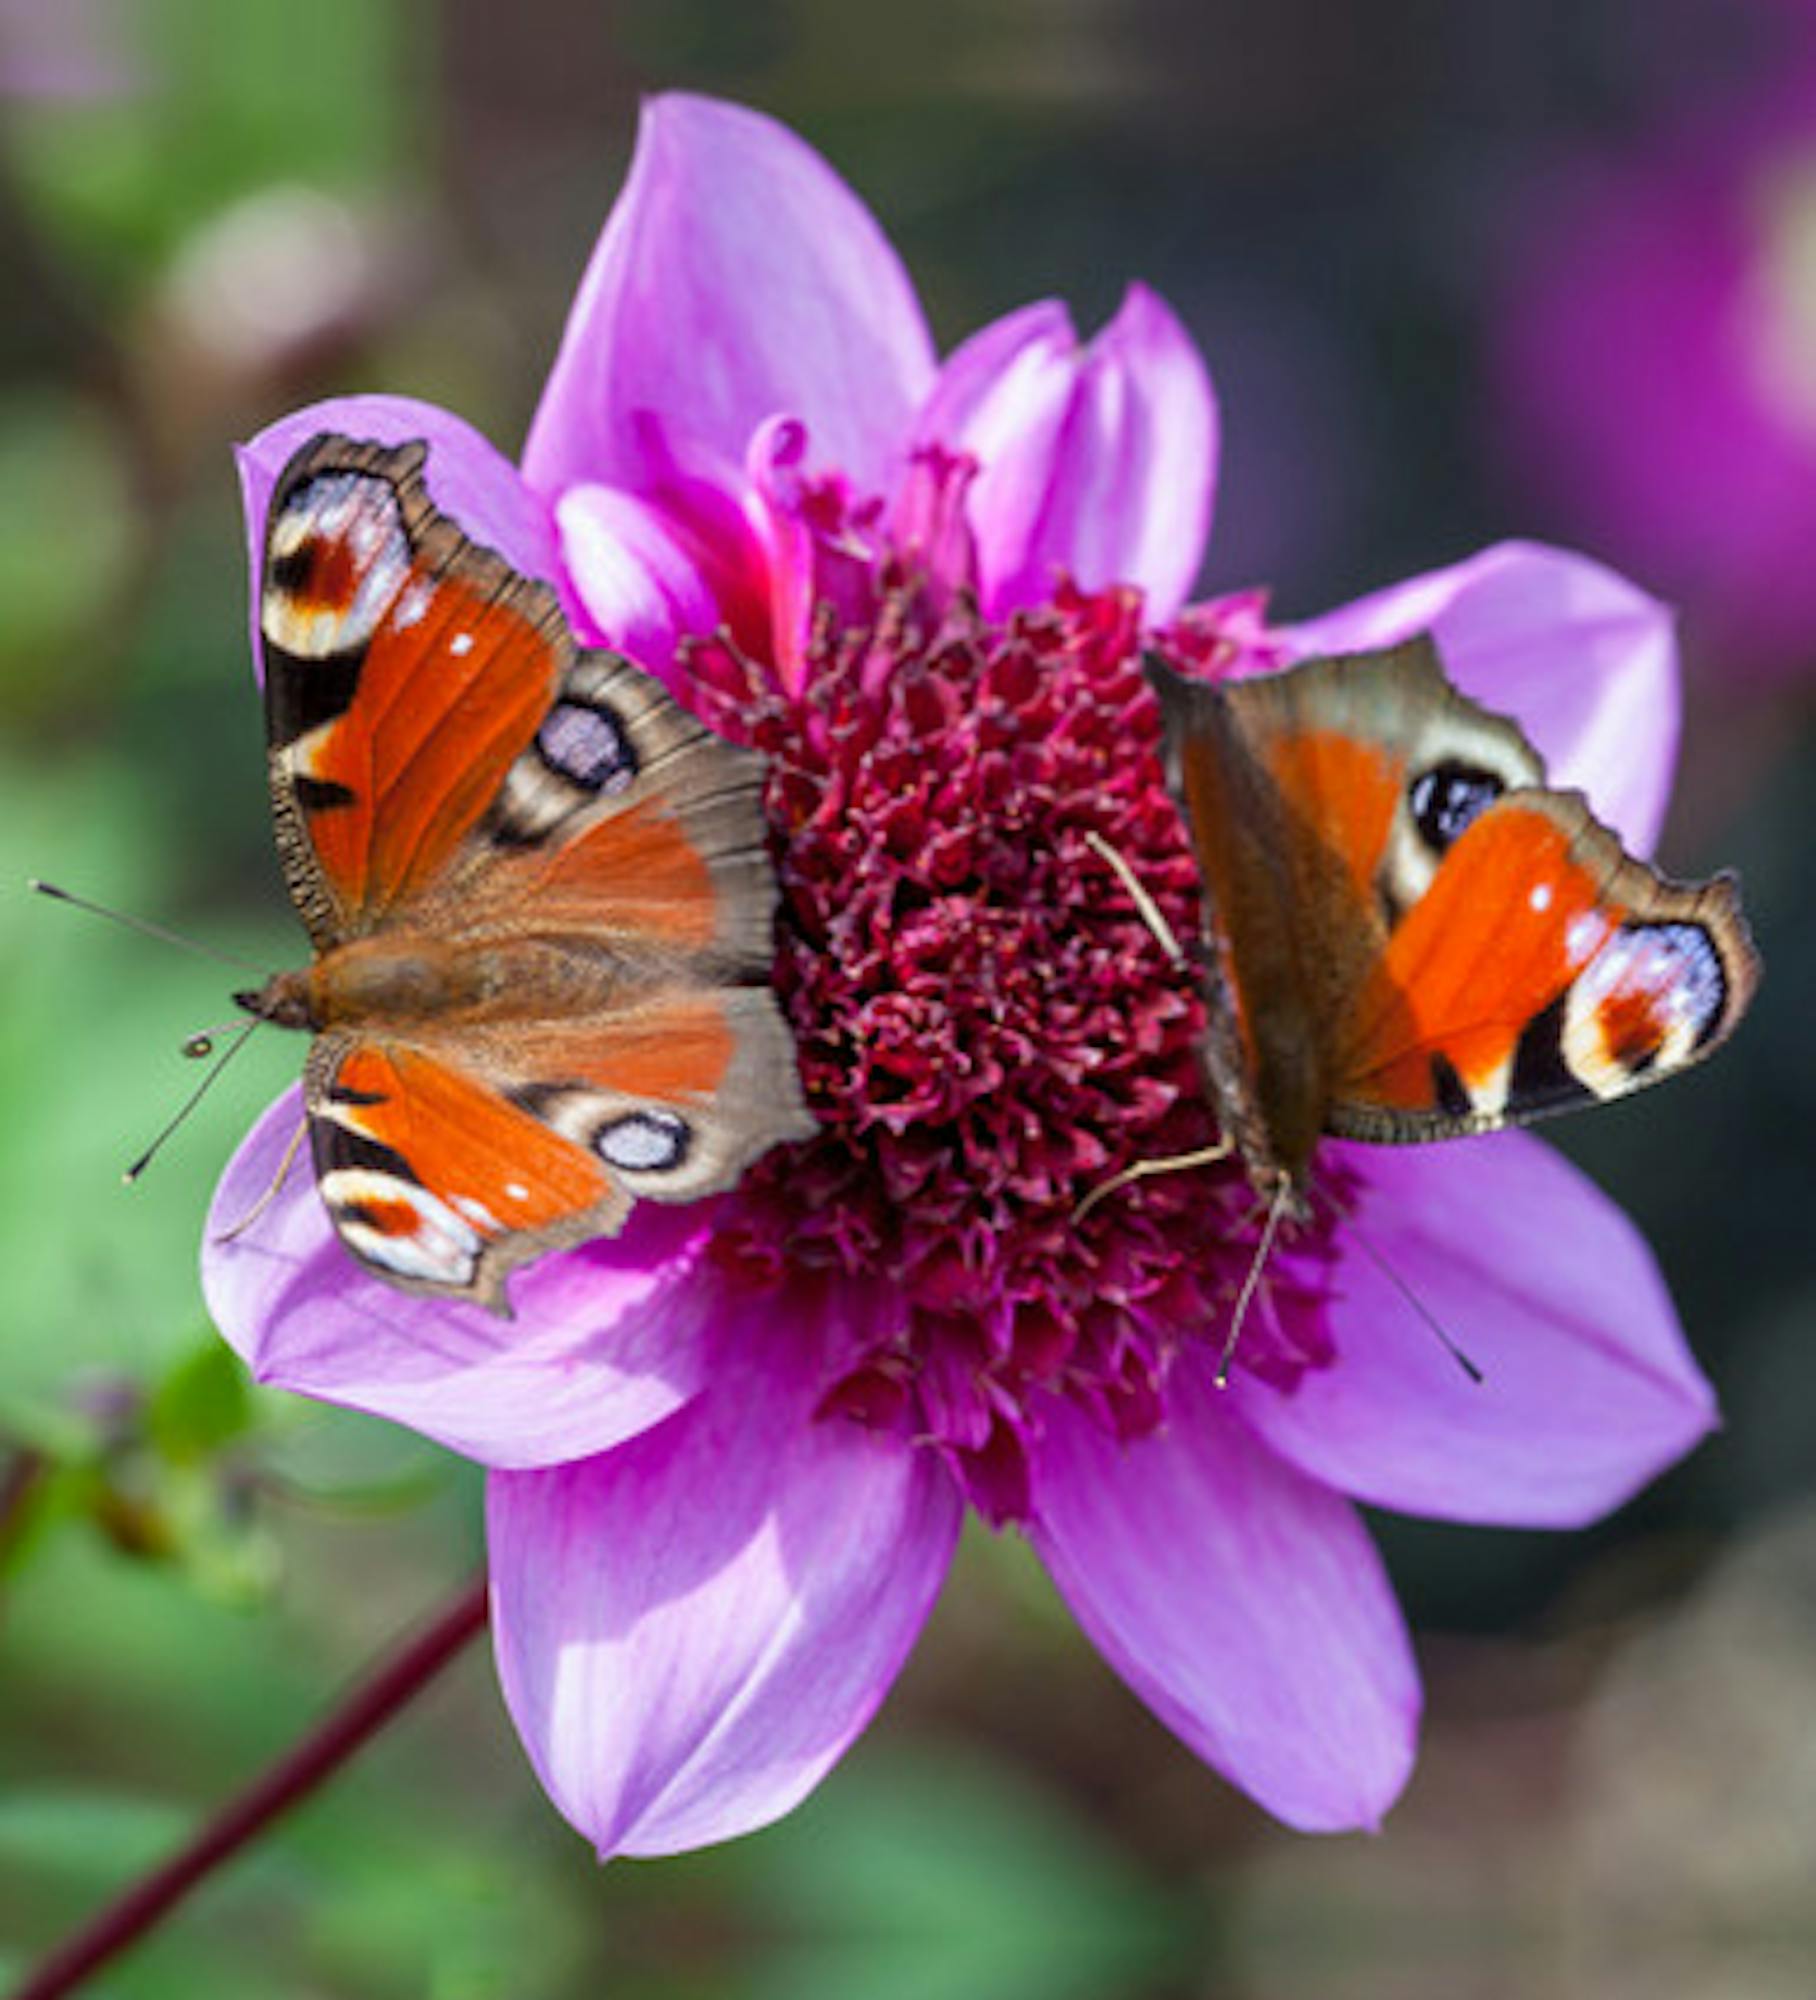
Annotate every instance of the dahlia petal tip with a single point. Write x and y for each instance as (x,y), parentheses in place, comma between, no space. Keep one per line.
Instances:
(737,277)
(676,1690)
(1097,462)
(1241,1600)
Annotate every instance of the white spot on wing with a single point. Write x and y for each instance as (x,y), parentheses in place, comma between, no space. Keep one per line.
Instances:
(442,1248)
(1540,899)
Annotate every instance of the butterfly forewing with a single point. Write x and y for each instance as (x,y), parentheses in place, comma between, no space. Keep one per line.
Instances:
(406,670)
(1543,968)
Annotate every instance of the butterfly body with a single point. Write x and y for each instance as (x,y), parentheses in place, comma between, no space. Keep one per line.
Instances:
(538,892)
(1408,936)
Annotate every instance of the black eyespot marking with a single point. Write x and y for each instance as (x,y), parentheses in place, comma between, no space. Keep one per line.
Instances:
(294,571)
(1447,798)
(587,745)
(644,1142)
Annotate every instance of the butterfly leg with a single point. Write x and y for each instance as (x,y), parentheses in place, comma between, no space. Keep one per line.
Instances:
(1282,1201)
(273,1191)
(1149,911)
(1172,1163)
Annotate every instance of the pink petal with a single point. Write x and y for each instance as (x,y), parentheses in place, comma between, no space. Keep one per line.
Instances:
(1100,462)
(606,1341)
(691,1629)
(1550,1291)
(640,587)
(468,478)
(737,278)
(1243,1602)
(1584,660)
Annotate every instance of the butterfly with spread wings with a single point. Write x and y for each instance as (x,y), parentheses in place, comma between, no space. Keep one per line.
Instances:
(538,892)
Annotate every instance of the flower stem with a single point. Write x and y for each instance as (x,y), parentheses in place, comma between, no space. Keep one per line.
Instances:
(391,1683)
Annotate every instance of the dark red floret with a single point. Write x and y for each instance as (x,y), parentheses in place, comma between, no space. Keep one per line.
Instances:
(989,1028)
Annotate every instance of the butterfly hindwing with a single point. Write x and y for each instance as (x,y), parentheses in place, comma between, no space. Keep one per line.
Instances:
(443,1167)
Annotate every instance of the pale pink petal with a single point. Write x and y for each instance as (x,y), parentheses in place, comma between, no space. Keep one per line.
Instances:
(1003,398)
(691,1629)
(468,478)
(606,1341)
(1550,1291)
(1582,659)
(737,278)
(1241,1600)
(1100,462)
(639,585)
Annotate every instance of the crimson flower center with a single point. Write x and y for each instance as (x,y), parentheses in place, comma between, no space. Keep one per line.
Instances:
(989,1028)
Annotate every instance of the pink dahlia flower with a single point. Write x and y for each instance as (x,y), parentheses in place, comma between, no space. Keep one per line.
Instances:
(731,1449)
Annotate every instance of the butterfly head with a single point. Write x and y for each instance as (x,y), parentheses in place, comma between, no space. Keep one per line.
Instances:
(284,1000)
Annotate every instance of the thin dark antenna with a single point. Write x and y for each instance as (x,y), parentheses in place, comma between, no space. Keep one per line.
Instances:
(142,925)
(194,1098)
(1346,1218)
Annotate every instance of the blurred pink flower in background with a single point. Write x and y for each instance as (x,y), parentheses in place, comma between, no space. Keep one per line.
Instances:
(67,51)
(732,1448)
(1652,360)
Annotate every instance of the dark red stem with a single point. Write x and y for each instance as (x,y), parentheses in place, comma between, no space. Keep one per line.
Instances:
(369,1705)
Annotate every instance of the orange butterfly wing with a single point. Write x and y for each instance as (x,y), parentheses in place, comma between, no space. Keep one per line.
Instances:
(1420,939)
(1543,968)
(406,670)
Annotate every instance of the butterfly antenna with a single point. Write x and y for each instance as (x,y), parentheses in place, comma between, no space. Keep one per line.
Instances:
(1283,1195)
(273,1191)
(1149,911)
(194,1098)
(142,925)
(1346,1216)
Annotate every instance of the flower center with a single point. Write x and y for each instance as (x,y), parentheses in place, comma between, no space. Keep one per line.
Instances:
(990,1028)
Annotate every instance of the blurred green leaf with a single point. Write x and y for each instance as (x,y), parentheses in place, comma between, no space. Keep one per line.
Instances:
(65,543)
(204,1402)
(92,1837)
(231,98)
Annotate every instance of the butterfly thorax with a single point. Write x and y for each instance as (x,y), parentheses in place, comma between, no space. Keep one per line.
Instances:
(413,979)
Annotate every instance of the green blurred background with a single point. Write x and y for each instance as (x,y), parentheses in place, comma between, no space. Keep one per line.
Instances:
(211,210)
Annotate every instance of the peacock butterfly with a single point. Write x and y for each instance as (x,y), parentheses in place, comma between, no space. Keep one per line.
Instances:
(1407,935)
(537,889)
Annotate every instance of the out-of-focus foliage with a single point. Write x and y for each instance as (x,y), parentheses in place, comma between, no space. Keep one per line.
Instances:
(213,209)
